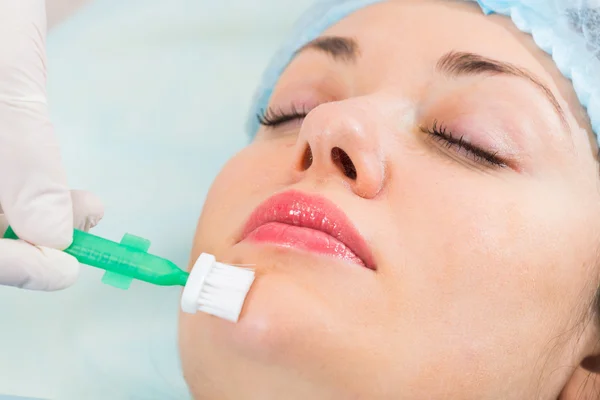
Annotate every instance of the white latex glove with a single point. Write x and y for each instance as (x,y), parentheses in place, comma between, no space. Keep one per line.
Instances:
(34,196)
(43,268)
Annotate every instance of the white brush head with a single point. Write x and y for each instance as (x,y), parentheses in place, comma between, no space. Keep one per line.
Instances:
(216,288)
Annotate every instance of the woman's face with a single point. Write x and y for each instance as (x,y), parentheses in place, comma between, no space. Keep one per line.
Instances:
(437,214)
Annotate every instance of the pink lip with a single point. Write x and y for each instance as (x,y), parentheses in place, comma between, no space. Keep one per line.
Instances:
(306,222)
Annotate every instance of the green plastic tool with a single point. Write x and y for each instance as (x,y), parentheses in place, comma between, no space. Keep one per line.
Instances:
(124,261)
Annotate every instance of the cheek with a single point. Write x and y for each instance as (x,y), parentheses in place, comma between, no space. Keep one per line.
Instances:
(498,267)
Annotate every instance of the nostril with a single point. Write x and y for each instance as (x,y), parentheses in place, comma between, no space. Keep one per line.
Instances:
(344,162)
(307,158)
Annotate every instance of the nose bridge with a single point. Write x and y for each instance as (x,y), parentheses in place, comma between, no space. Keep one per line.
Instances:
(343,139)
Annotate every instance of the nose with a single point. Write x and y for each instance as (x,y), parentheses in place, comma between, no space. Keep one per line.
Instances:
(341,140)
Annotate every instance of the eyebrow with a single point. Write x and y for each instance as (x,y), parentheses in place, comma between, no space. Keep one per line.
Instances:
(453,64)
(340,48)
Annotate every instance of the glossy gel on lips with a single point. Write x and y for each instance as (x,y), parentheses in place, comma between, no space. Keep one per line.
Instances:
(306,222)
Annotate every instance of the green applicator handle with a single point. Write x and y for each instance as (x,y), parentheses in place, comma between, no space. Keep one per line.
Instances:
(124,261)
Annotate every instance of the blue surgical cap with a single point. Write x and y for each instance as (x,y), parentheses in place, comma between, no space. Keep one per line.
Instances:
(568,30)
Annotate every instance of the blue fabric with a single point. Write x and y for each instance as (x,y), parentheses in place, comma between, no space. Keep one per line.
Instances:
(569,30)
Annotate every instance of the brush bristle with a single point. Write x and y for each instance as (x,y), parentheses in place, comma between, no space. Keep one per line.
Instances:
(225,290)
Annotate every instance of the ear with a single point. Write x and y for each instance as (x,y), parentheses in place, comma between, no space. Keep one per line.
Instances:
(584,384)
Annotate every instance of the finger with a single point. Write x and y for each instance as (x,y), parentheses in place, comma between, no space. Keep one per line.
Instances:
(33,191)
(88,210)
(36,268)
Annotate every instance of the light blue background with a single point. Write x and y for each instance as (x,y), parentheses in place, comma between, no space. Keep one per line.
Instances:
(148,98)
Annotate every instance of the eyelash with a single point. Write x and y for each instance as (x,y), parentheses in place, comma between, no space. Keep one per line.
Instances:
(274,118)
(440,133)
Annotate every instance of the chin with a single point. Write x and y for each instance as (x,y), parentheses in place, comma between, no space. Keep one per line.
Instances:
(286,309)
(297,315)
(277,332)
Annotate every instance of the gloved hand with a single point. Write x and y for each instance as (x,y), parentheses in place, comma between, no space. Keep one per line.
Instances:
(43,268)
(34,196)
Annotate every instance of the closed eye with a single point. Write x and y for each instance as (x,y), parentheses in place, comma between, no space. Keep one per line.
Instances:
(276,117)
(441,134)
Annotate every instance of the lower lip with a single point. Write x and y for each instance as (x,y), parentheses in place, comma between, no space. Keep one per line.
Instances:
(301,238)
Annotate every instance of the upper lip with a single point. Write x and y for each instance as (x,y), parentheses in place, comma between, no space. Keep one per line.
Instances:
(313,212)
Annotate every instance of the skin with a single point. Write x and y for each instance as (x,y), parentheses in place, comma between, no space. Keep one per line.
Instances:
(485,275)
